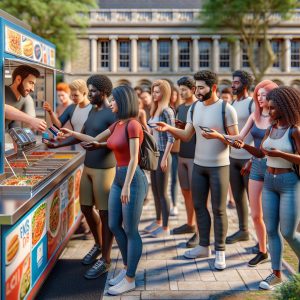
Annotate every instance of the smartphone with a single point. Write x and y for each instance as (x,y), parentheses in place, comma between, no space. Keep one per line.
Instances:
(54,130)
(206,129)
(152,125)
(231,141)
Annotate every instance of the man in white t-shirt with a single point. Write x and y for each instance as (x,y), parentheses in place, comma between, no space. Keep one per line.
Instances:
(211,162)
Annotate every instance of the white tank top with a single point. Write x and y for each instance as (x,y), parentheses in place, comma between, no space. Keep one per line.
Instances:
(283,144)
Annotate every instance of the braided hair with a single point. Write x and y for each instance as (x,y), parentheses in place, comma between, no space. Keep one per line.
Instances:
(102,83)
(287,101)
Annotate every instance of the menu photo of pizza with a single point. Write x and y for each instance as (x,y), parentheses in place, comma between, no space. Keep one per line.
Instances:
(13,41)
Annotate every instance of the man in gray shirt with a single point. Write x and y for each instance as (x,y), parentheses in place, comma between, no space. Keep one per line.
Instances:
(211,162)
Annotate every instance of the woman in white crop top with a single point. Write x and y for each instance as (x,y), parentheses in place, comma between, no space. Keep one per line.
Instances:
(281,203)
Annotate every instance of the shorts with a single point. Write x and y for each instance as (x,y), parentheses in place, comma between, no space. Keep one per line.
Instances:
(185,170)
(258,169)
(95,186)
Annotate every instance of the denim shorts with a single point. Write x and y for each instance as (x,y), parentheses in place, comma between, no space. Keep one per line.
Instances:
(258,169)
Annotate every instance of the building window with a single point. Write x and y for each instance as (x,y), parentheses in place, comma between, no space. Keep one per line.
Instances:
(104,55)
(164,54)
(224,54)
(245,60)
(295,54)
(184,48)
(144,54)
(204,54)
(276,46)
(124,54)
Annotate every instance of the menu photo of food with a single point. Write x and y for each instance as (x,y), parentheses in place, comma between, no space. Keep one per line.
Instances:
(27,47)
(38,54)
(38,222)
(71,187)
(52,57)
(13,41)
(71,214)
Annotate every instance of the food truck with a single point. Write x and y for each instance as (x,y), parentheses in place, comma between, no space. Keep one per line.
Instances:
(39,188)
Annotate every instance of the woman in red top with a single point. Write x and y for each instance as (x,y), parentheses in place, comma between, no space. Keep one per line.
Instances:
(130,185)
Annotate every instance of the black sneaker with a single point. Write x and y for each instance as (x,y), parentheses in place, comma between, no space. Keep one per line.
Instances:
(193,241)
(237,237)
(92,255)
(258,259)
(99,268)
(185,228)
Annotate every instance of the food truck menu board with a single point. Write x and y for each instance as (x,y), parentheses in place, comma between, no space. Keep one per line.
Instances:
(31,243)
(19,44)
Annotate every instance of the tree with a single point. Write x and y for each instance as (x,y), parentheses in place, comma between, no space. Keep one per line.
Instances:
(54,20)
(251,21)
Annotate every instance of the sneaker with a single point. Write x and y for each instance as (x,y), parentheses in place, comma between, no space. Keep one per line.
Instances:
(220,263)
(237,237)
(92,255)
(258,259)
(255,249)
(270,282)
(174,211)
(193,241)
(198,252)
(151,227)
(122,287)
(118,278)
(185,228)
(99,268)
(160,233)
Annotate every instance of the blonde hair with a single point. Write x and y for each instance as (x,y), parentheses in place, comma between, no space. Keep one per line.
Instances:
(165,89)
(79,85)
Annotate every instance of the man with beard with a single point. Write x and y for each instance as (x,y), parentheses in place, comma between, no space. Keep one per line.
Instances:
(211,163)
(17,94)
(241,83)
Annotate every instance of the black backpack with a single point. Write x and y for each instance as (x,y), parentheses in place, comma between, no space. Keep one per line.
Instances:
(149,153)
(294,147)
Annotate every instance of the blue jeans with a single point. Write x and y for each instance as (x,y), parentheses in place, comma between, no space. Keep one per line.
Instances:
(124,218)
(174,176)
(281,204)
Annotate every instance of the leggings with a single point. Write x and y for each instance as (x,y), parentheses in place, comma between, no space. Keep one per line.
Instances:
(174,177)
(159,184)
(281,205)
(239,187)
(215,179)
(124,219)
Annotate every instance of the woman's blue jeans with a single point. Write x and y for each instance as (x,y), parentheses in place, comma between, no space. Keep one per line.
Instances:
(124,218)
(281,204)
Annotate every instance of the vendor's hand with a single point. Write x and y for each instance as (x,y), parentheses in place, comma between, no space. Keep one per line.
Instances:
(179,124)
(47,107)
(38,124)
(272,152)
(246,168)
(91,145)
(125,194)
(164,165)
(211,135)
(64,133)
(162,126)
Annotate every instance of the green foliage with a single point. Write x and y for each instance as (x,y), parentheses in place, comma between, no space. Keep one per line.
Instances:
(290,290)
(54,20)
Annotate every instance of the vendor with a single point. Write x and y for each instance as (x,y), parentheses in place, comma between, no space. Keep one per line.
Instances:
(18,93)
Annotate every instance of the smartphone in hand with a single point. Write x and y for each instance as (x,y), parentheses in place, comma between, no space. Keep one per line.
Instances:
(54,130)
(229,140)
(205,129)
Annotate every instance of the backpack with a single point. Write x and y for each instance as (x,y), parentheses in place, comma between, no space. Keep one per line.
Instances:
(295,167)
(149,153)
(249,106)
(224,103)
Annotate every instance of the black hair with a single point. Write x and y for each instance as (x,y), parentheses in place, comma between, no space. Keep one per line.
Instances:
(102,83)
(24,71)
(210,78)
(127,102)
(186,81)
(287,101)
(245,77)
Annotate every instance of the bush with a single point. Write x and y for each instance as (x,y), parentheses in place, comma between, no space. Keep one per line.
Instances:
(290,290)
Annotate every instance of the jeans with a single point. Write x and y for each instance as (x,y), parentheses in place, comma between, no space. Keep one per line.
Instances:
(281,204)
(128,215)
(215,180)
(174,176)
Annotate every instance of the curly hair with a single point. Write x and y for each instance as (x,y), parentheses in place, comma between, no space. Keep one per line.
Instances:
(245,77)
(210,78)
(101,83)
(186,81)
(286,101)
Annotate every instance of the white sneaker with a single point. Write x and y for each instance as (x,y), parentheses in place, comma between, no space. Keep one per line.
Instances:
(151,227)
(174,211)
(198,252)
(122,287)
(220,263)
(160,233)
(118,278)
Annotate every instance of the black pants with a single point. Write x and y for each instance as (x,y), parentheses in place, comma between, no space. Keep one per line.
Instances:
(215,179)
(239,187)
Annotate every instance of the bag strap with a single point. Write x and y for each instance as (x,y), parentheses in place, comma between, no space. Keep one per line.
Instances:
(224,104)
(192,110)
(291,130)
(250,107)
